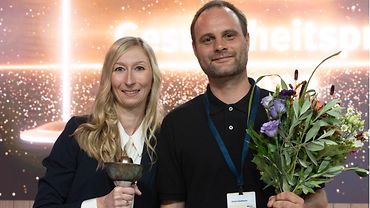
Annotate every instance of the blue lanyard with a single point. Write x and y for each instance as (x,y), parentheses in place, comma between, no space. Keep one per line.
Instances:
(221,145)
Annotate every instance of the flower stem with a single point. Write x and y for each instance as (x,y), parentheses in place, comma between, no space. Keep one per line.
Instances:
(305,87)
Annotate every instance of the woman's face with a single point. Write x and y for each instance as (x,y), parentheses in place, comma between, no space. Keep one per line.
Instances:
(132,79)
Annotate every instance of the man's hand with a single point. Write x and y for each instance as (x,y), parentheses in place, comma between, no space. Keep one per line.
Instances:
(291,200)
(286,200)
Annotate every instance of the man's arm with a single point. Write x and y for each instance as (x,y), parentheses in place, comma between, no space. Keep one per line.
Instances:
(173,204)
(318,199)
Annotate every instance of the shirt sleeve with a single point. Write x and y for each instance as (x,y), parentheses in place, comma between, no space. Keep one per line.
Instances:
(170,179)
(90,203)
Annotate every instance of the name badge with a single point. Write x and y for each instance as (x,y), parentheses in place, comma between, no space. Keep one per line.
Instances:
(247,200)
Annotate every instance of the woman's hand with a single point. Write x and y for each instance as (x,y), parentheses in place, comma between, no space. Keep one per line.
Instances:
(119,197)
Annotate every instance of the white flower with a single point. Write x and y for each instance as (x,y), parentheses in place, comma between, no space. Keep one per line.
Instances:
(344,128)
(352,139)
(358,144)
(366,135)
(350,110)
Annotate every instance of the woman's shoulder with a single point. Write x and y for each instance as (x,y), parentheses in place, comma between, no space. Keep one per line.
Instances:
(65,138)
(78,120)
(66,147)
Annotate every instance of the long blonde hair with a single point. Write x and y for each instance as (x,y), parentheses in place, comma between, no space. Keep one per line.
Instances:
(99,137)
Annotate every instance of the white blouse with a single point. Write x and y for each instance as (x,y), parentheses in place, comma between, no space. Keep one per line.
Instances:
(137,141)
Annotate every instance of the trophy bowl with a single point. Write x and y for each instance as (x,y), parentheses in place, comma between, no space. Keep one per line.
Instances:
(118,171)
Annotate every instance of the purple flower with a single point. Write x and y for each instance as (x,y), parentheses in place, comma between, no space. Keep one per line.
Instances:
(360,136)
(270,128)
(279,105)
(286,93)
(277,108)
(266,101)
(273,112)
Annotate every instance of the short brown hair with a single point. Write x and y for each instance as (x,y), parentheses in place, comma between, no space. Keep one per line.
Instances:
(220,3)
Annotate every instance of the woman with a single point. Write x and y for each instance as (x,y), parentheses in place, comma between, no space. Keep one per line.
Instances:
(125,113)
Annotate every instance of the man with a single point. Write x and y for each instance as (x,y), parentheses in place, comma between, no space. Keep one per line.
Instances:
(202,143)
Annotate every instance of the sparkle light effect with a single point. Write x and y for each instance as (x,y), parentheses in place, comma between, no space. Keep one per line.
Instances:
(272,64)
(124,29)
(51,67)
(66,15)
(49,132)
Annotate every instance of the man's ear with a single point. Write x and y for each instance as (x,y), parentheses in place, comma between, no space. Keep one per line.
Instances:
(247,39)
(194,48)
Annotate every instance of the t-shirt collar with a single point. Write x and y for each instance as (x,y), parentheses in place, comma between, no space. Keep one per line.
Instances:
(216,105)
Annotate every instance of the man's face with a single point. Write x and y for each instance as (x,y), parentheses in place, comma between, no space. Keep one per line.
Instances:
(219,43)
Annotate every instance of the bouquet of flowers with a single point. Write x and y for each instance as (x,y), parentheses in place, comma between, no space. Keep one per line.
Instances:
(305,143)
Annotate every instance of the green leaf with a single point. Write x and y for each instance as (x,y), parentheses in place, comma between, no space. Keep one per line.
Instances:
(302,163)
(335,113)
(271,164)
(292,181)
(327,134)
(283,84)
(294,123)
(316,182)
(315,146)
(305,107)
(288,157)
(333,121)
(323,165)
(327,107)
(286,187)
(296,108)
(362,172)
(328,142)
(311,156)
(305,115)
(308,122)
(322,122)
(316,175)
(307,190)
(335,170)
(271,148)
(307,172)
(359,171)
(312,132)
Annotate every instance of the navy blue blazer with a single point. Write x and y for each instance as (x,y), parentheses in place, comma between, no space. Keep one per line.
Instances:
(72,176)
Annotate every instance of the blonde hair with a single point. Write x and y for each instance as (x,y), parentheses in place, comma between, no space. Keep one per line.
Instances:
(99,137)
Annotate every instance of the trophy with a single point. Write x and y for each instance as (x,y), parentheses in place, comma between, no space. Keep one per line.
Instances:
(124,173)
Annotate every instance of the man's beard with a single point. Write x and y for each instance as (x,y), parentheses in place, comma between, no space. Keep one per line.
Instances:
(236,69)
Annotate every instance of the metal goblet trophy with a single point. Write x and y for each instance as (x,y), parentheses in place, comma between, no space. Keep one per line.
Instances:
(124,173)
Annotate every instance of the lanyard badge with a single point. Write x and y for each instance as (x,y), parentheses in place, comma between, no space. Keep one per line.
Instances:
(239,176)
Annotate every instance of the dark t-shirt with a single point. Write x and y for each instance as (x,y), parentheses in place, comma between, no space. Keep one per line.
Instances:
(191,165)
